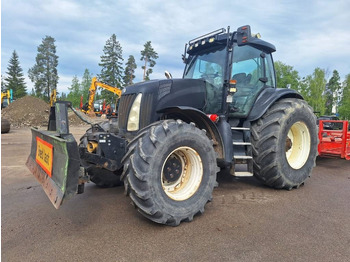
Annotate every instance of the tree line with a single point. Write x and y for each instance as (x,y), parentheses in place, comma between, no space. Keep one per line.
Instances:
(326,97)
(45,77)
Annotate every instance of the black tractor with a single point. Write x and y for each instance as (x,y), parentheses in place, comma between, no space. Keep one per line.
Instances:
(172,136)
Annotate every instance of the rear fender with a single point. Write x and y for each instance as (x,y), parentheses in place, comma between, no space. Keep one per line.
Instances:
(267,97)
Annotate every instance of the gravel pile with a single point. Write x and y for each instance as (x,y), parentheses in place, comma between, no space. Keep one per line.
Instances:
(32,111)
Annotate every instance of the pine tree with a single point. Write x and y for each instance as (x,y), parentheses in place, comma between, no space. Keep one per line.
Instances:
(63,97)
(129,73)
(74,92)
(85,84)
(112,67)
(344,107)
(332,92)
(3,87)
(149,56)
(15,78)
(44,73)
(32,93)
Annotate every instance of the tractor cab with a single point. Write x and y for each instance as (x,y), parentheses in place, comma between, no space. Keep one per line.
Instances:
(235,66)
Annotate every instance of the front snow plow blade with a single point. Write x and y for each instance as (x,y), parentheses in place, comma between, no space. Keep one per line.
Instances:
(54,157)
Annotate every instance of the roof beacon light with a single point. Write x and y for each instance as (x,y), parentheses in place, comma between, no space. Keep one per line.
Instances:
(256,35)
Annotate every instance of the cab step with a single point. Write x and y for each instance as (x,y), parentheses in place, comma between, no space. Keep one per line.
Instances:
(237,143)
(243,174)
(242,157)
(240,128)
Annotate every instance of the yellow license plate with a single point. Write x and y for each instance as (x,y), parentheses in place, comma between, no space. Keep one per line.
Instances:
(44,155)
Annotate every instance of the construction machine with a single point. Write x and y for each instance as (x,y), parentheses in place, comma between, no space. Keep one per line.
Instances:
(89,106)
(174,135)
(53,97)
(6,98)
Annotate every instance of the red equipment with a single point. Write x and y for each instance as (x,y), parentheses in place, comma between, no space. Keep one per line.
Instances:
(334,143)
(104,105)
(81,102)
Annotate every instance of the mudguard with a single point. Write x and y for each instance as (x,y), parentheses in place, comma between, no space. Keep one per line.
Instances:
(190,114)
(267,97)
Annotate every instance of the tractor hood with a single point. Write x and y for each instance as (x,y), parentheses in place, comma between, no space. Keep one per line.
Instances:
(172,92)
(161,94)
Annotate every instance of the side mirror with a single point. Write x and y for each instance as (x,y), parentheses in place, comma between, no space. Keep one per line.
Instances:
(243,35)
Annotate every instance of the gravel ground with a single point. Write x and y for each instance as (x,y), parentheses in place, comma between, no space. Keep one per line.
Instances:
(246,221)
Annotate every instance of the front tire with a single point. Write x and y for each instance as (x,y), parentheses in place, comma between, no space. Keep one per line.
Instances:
(284,142)
(170,171)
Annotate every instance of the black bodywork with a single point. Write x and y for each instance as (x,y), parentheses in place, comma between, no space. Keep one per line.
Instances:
(159,95)
(216,91)
(188,99)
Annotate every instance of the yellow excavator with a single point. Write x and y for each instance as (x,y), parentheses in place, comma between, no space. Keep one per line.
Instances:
(53,96)
(88,108)
(6,98)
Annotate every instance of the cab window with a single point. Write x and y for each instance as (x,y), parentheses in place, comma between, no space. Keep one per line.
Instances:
(250,67)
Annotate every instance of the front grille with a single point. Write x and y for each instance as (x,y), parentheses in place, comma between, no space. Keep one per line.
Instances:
(146,110)
(124,108)
(126,102)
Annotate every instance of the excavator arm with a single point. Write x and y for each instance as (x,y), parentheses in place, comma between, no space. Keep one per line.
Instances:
(53,97)
(92,92)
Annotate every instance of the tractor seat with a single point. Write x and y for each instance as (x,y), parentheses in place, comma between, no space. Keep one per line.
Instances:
(242,78)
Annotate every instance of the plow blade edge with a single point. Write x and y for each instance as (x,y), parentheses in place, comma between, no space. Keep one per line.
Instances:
(54,161)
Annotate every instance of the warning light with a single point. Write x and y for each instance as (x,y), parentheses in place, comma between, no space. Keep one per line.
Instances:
(213,117)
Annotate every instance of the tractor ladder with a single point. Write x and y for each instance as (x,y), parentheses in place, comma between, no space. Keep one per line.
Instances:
(242,152)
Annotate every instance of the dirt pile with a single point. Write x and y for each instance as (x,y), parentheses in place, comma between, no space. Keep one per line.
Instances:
(74,120)
(32,111)
(27,111)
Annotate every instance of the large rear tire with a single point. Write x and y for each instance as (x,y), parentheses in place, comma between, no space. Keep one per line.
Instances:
(170,171)
(284,142)
(5,126)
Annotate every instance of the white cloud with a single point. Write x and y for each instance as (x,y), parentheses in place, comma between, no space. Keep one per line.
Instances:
(307,34)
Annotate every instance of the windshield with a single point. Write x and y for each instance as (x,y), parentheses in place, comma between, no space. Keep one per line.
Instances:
(208,65)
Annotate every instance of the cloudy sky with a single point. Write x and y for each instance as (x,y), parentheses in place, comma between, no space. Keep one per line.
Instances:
(307,34)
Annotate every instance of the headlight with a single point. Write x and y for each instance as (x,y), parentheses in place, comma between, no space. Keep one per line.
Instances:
(134,115)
